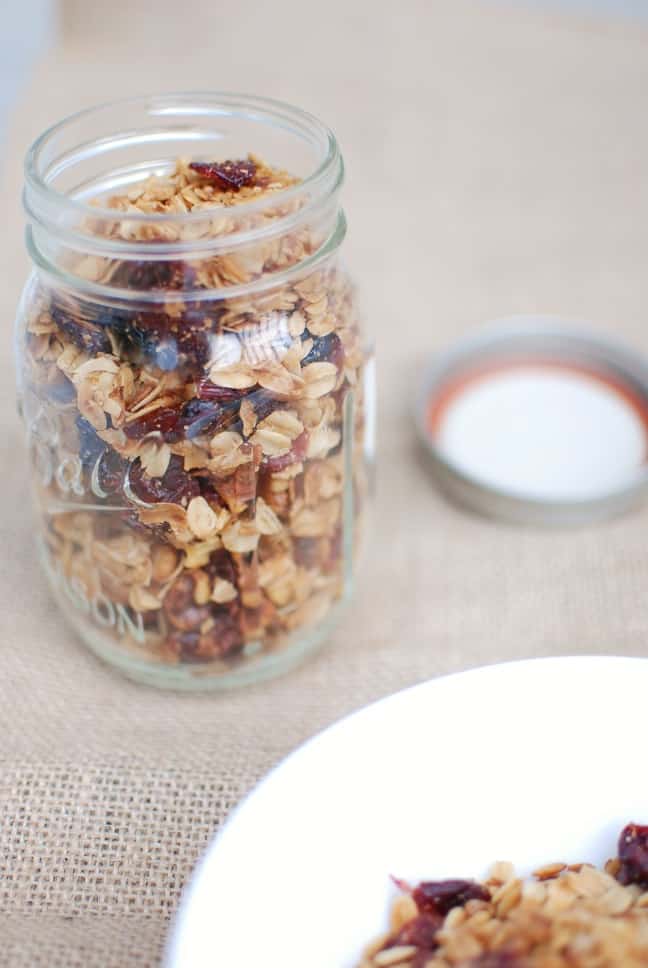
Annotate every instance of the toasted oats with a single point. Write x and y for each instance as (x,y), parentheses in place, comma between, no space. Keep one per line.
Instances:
(223,591)
(241,536)
(307,522)
(296,324)
(237,377)
(320,379)
(266,520)
(548,871)
(321,441)
(154,457)
(173,515)
(272,442)
(322,325)
(394,956)
(197,555)
(143,600)
(567,916)
(201,519)
(278,577)
(125,557)
(279,380)
(226,452)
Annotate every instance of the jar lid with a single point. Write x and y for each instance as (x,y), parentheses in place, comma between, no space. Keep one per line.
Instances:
(534,419)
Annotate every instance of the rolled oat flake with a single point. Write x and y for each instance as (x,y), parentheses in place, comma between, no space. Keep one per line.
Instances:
(534,419)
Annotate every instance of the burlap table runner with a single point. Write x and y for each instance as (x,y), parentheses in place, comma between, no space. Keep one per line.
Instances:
(497,163)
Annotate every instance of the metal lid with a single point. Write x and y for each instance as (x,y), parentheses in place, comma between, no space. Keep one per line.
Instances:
(534,419)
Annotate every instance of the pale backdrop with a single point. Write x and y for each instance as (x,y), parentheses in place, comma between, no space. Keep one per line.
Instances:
(497,163)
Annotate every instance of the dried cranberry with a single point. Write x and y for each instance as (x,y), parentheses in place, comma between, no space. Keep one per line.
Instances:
(169,274)
(222,639)
(297,453)
(140,333)
(633,854)
(421,932)
(111,468)
(210,391)
(183,643)
(180,607)
(204,417)
(193,346)
(84,333)
(228,175)
(111,472)
(190,618)
(439,897)
(91,446)
(174,487)
(131,519)
(221,566)
(181,594)
(151,341)
(273,464)
(325,349)
(166,341)
(166,421)
(264,403)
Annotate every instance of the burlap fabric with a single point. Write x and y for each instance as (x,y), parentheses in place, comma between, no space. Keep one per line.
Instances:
(497,162)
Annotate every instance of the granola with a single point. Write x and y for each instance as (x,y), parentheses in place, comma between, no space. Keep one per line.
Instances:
(199,456)
(565,916)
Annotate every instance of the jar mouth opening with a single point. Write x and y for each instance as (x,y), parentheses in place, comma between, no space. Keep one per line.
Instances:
(117,296)
(158,120)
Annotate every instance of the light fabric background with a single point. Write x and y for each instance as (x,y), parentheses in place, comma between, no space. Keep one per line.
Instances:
(28,26)
(497,160)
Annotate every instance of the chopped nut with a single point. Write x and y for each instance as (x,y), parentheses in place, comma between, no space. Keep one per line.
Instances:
(248,417)
(164,561)
(202,587)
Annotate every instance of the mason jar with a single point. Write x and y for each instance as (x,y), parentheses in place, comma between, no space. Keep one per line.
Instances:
(195,384)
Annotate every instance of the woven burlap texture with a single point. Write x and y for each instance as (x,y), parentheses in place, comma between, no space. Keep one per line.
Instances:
(496,160)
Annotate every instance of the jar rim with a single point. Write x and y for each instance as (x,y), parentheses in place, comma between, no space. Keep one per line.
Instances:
(115,296)
(324,179)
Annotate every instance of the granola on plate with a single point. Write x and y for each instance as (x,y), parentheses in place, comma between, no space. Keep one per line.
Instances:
(565,916)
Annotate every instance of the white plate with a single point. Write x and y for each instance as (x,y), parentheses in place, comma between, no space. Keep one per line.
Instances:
(531,762)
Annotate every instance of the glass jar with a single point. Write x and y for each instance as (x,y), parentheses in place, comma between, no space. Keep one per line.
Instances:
(195,384)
